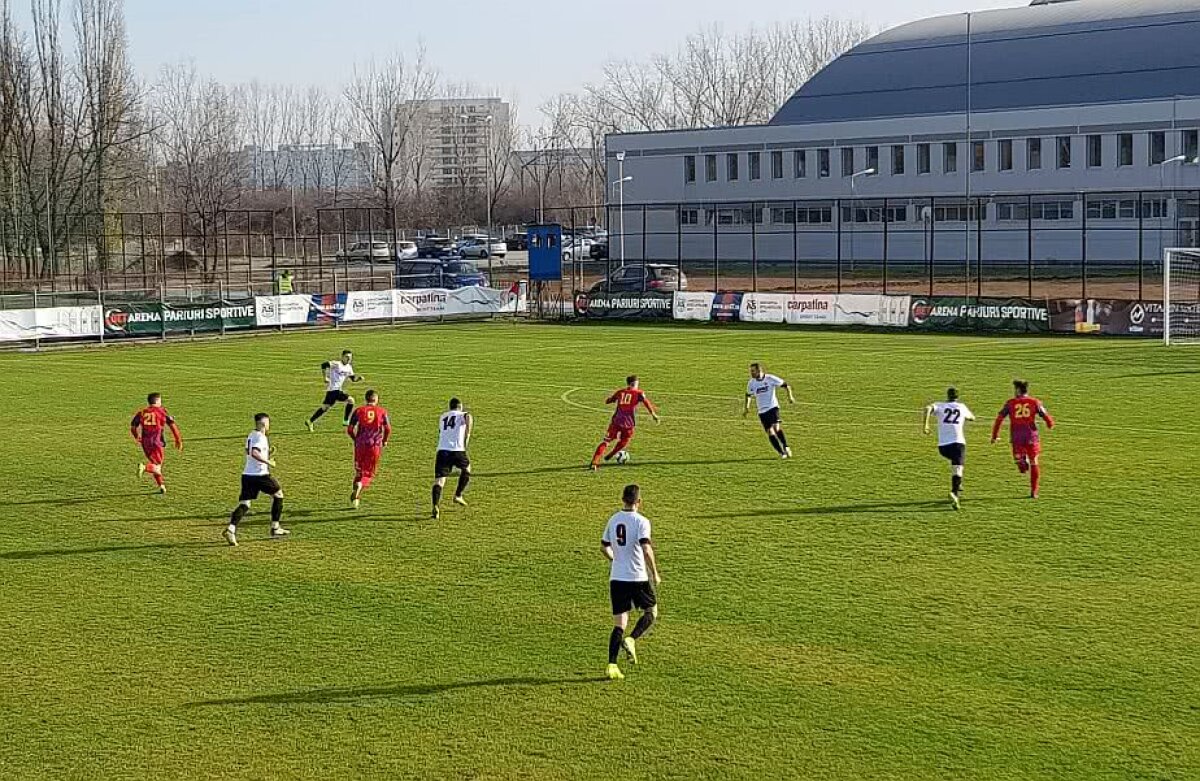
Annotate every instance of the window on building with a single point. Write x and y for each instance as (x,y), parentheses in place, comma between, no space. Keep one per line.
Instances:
(689,168)
(872,160)
(1102,209)
(1063,145)
(847,161)
(897,159)
(949,157)
(710,168)
(1125,149)
(1190,141)
(1155,208)
(689,217)
(978,158)
(954,213)
(1006,157)
(800,163)
(1033,153)
(922,158)
(1095,151)
(822,163)
(1016,211)
(782,216)
(731,167)
(1053,210)
(1158,148)
(777,165)
(755,159)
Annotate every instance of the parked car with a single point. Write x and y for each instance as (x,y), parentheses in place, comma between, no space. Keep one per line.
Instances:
(435,273)
(434,247)
(366,252)
(407,250)
(476,248)
(643,276)
(599,251)
(517,242)
(576,249)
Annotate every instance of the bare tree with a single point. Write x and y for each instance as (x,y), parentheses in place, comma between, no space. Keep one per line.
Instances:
(198,133)
(385,100)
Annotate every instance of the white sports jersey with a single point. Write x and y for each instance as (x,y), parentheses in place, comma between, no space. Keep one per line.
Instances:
(338,374)
(625,533)
(258,440)
(763,391)
(951,415)
(452,431)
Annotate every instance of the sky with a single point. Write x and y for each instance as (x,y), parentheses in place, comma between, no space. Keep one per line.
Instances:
(529,50)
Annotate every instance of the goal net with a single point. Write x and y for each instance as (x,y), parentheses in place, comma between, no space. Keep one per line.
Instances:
(1181,296)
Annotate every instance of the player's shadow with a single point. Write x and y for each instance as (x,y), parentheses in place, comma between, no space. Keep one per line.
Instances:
(1157,374)
(24,555)
(396,691)
(924,505)
(67,501)
(633,465)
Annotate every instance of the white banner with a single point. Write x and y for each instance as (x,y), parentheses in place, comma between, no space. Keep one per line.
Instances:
(436,302)
(281,310)
(369,305)
(693,306)
(764,307)
(55,322)
(803,309)
(874,310)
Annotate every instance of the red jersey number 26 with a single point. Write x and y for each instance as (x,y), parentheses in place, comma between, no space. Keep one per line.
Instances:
(1023,411)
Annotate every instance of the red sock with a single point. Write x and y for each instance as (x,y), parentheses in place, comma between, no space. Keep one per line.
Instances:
(622,443)
(1035,474)
(599,454)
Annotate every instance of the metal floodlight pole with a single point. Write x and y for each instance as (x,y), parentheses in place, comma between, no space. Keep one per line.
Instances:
(854,206)
(621,200)
(1162,217)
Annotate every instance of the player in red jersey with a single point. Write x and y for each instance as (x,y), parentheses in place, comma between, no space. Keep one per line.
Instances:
(370,429)
(1023,411)
(624,419)
(148,429)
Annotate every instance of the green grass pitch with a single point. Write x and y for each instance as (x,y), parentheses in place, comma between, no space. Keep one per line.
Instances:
(823,618)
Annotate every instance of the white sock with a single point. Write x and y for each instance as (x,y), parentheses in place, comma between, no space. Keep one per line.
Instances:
(232,529)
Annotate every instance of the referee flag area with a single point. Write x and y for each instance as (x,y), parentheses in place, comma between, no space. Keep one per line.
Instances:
(825,616)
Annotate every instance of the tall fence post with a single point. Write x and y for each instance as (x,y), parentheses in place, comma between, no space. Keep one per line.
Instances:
(1083,269)
(162,310)
(753,250)
(221,302)
(886,220)
(1029,239)
(837,210)
(100,303)
(795,246)
(37,339)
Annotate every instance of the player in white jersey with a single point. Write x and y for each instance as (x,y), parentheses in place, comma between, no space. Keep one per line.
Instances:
(632,578)
(336,374)
(951,415)
(454,434)
(257,479)
(761,390)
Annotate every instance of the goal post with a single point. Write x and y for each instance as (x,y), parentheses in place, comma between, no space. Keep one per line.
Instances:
(1181,296)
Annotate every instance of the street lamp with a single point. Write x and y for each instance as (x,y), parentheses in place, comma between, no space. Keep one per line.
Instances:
(854,207)
(620,185)
(1162,217)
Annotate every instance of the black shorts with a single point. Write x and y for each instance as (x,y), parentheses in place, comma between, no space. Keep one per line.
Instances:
(769,418)
(335,397)
(449,460)
(253,485)
(956,453)
(627,594)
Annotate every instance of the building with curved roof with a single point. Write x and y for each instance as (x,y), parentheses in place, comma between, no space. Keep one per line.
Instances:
(1045,124)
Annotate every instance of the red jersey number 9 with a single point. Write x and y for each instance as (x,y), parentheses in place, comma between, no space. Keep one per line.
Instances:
(370,416)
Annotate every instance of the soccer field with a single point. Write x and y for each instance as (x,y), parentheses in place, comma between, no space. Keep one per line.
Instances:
(827,617)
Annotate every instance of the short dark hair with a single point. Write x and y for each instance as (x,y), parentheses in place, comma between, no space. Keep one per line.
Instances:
(260,417)
(153,397)
(755,365)
(952,393)
(1022,386)
(372,396)
(347,352)
(455,403)
(631,379)
(631,494)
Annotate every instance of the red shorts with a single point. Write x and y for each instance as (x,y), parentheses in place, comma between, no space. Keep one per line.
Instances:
(154,451)
(1028,451)
(616,431)
(366,461)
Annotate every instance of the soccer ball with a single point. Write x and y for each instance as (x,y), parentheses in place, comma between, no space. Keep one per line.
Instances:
(622,457)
